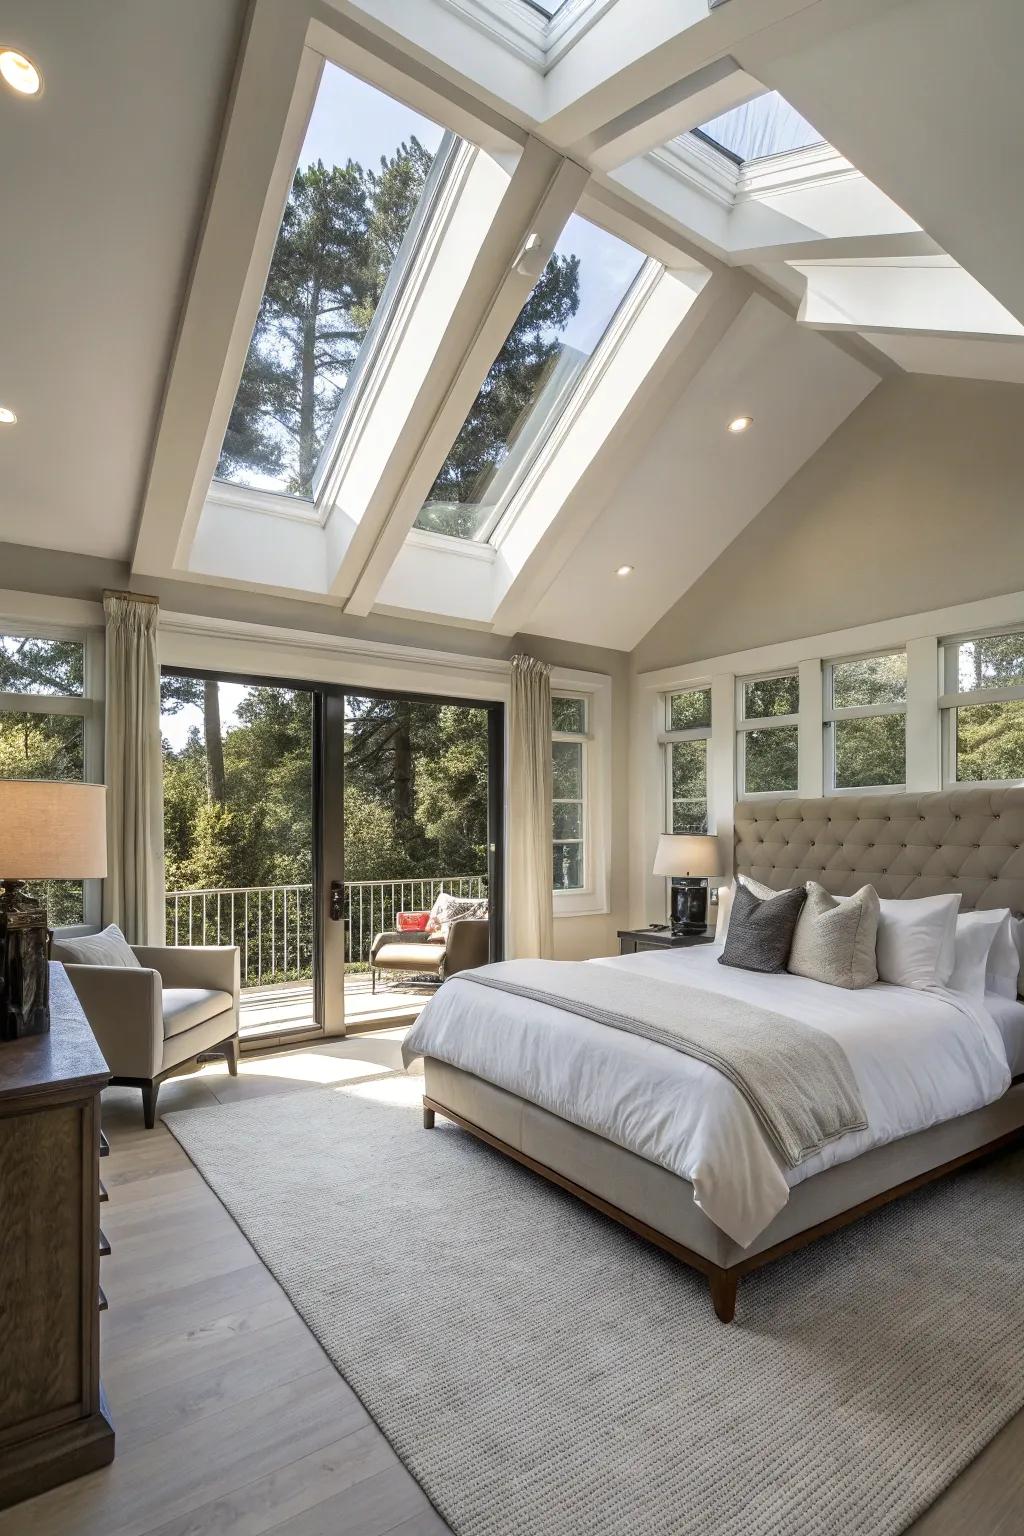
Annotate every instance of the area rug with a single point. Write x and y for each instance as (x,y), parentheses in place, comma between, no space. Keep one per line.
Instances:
(543,1373)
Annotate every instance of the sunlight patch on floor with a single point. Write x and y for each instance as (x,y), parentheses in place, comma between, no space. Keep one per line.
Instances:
(312,1067)
(397,1090)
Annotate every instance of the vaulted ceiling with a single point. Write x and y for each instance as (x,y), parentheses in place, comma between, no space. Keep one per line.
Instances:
(144,190)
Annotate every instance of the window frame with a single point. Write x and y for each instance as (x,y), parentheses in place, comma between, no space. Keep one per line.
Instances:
(952,699)
(87,706)
(583,739)
(668,738)
(830,715)
(763,723)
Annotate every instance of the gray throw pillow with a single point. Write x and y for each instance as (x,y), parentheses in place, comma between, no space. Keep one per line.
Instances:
(107,948)
(761,932)
(835,938)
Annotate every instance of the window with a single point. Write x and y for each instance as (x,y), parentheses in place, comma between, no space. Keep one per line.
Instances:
(865,722)
(983,703)
(530,380)
(361,179)
(568,792)
(768,125)
(51,729)
(685,741)
(767,737)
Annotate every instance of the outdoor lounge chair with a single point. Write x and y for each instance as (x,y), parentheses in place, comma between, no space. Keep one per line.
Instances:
(424,954)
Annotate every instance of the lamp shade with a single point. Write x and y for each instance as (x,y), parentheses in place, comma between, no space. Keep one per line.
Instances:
(52,831)
(686,854)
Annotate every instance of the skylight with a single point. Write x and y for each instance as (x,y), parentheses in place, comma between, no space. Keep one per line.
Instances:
(548,8)
(529,382)
(360,178)
(768,125)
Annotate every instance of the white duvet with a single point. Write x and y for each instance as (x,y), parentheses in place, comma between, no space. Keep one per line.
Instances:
(919,1057)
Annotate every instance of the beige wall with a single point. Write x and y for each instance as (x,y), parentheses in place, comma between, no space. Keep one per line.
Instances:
(915,502)
(56,574)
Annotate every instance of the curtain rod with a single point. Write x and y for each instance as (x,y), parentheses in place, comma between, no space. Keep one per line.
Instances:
(136,597)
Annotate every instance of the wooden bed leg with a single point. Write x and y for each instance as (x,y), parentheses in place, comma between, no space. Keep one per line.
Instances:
(428,1118)
(723,1285)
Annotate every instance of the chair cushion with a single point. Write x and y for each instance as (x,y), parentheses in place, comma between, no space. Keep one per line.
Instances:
(185,1007)
(409,957)
(412,922)
(107,948)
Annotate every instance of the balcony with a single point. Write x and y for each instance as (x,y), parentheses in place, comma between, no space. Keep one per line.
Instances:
(273,928)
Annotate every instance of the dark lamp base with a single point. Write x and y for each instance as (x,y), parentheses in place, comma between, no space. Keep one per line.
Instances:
(24,972)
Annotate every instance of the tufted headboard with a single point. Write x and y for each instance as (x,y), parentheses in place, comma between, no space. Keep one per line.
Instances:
(966,840)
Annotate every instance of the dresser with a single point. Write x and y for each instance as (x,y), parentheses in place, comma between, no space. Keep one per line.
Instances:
(53,1418)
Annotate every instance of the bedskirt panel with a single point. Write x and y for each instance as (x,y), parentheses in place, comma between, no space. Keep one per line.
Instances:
(664,1201)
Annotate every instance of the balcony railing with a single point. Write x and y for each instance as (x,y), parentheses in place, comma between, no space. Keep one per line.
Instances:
(273,924)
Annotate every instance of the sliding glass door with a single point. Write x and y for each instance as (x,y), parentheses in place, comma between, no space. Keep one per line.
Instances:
(305,823)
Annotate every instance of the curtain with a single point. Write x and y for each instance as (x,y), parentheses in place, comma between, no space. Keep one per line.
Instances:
(133,893)
(530,917)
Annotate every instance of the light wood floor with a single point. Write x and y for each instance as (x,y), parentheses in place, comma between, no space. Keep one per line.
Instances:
(230,1419)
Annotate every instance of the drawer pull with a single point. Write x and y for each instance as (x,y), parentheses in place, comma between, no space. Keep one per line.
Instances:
(103,1192)
(104,1146)
(103,1300)
(104,1244)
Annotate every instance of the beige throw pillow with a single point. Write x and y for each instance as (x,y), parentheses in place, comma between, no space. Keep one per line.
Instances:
(835,938)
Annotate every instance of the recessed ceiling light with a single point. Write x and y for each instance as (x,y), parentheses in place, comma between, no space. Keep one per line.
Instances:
(624,570)
(741,423)
(20,73)
(7,416)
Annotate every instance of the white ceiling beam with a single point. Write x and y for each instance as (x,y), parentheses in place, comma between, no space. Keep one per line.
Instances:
(940,299)
(274,89)
(837,247)
(639,48)
(708,92)
(442,380)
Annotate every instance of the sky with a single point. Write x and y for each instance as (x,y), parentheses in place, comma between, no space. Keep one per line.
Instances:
(768,125)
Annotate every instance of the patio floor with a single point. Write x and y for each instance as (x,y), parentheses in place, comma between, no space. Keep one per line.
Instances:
(278,1009)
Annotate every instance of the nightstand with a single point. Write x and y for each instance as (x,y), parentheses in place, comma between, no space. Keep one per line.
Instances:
(632,940)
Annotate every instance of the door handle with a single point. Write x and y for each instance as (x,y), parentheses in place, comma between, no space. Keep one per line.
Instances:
(337,906)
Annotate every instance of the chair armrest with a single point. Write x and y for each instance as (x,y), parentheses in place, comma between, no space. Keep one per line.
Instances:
(394,936)
(468,944)
(213,966)
(124,1006)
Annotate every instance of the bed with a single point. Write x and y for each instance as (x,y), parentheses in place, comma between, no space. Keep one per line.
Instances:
(653,1139)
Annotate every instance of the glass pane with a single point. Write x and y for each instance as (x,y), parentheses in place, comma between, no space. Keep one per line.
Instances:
(688,711)
(361,173)
(558,328)
(47,747)
(992,661)
(874,680)
(771,696)
(569,715)
(238,817)
(32,665)
(689,786)
(42,746)
(567,867)
(567,818)
(870,751)
(768,125)
(770,760)
(567,770)
(990,741)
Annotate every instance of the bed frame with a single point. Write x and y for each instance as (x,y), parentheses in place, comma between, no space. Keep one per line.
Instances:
(969,841)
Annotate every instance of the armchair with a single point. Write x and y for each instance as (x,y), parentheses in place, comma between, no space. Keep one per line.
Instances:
(155,1017)
(466,947)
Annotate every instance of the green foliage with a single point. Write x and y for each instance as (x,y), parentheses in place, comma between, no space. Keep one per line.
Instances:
(770,760)
(502,406)
(990,741)
(872,680)
(871,751)
(689,711)
(32,665)
(689,785)
(771,696)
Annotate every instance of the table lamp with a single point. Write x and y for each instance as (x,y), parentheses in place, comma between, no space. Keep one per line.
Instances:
(48,831)
(688,859)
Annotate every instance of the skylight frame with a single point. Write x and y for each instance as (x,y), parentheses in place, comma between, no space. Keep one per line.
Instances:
(538,454)
(452,151)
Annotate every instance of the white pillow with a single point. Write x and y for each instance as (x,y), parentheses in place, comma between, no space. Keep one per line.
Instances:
(107,948)
(917,941)
(725,895)
(1003,972)
(976,935)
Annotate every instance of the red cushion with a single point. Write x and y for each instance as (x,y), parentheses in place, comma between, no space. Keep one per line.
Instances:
(412,922)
